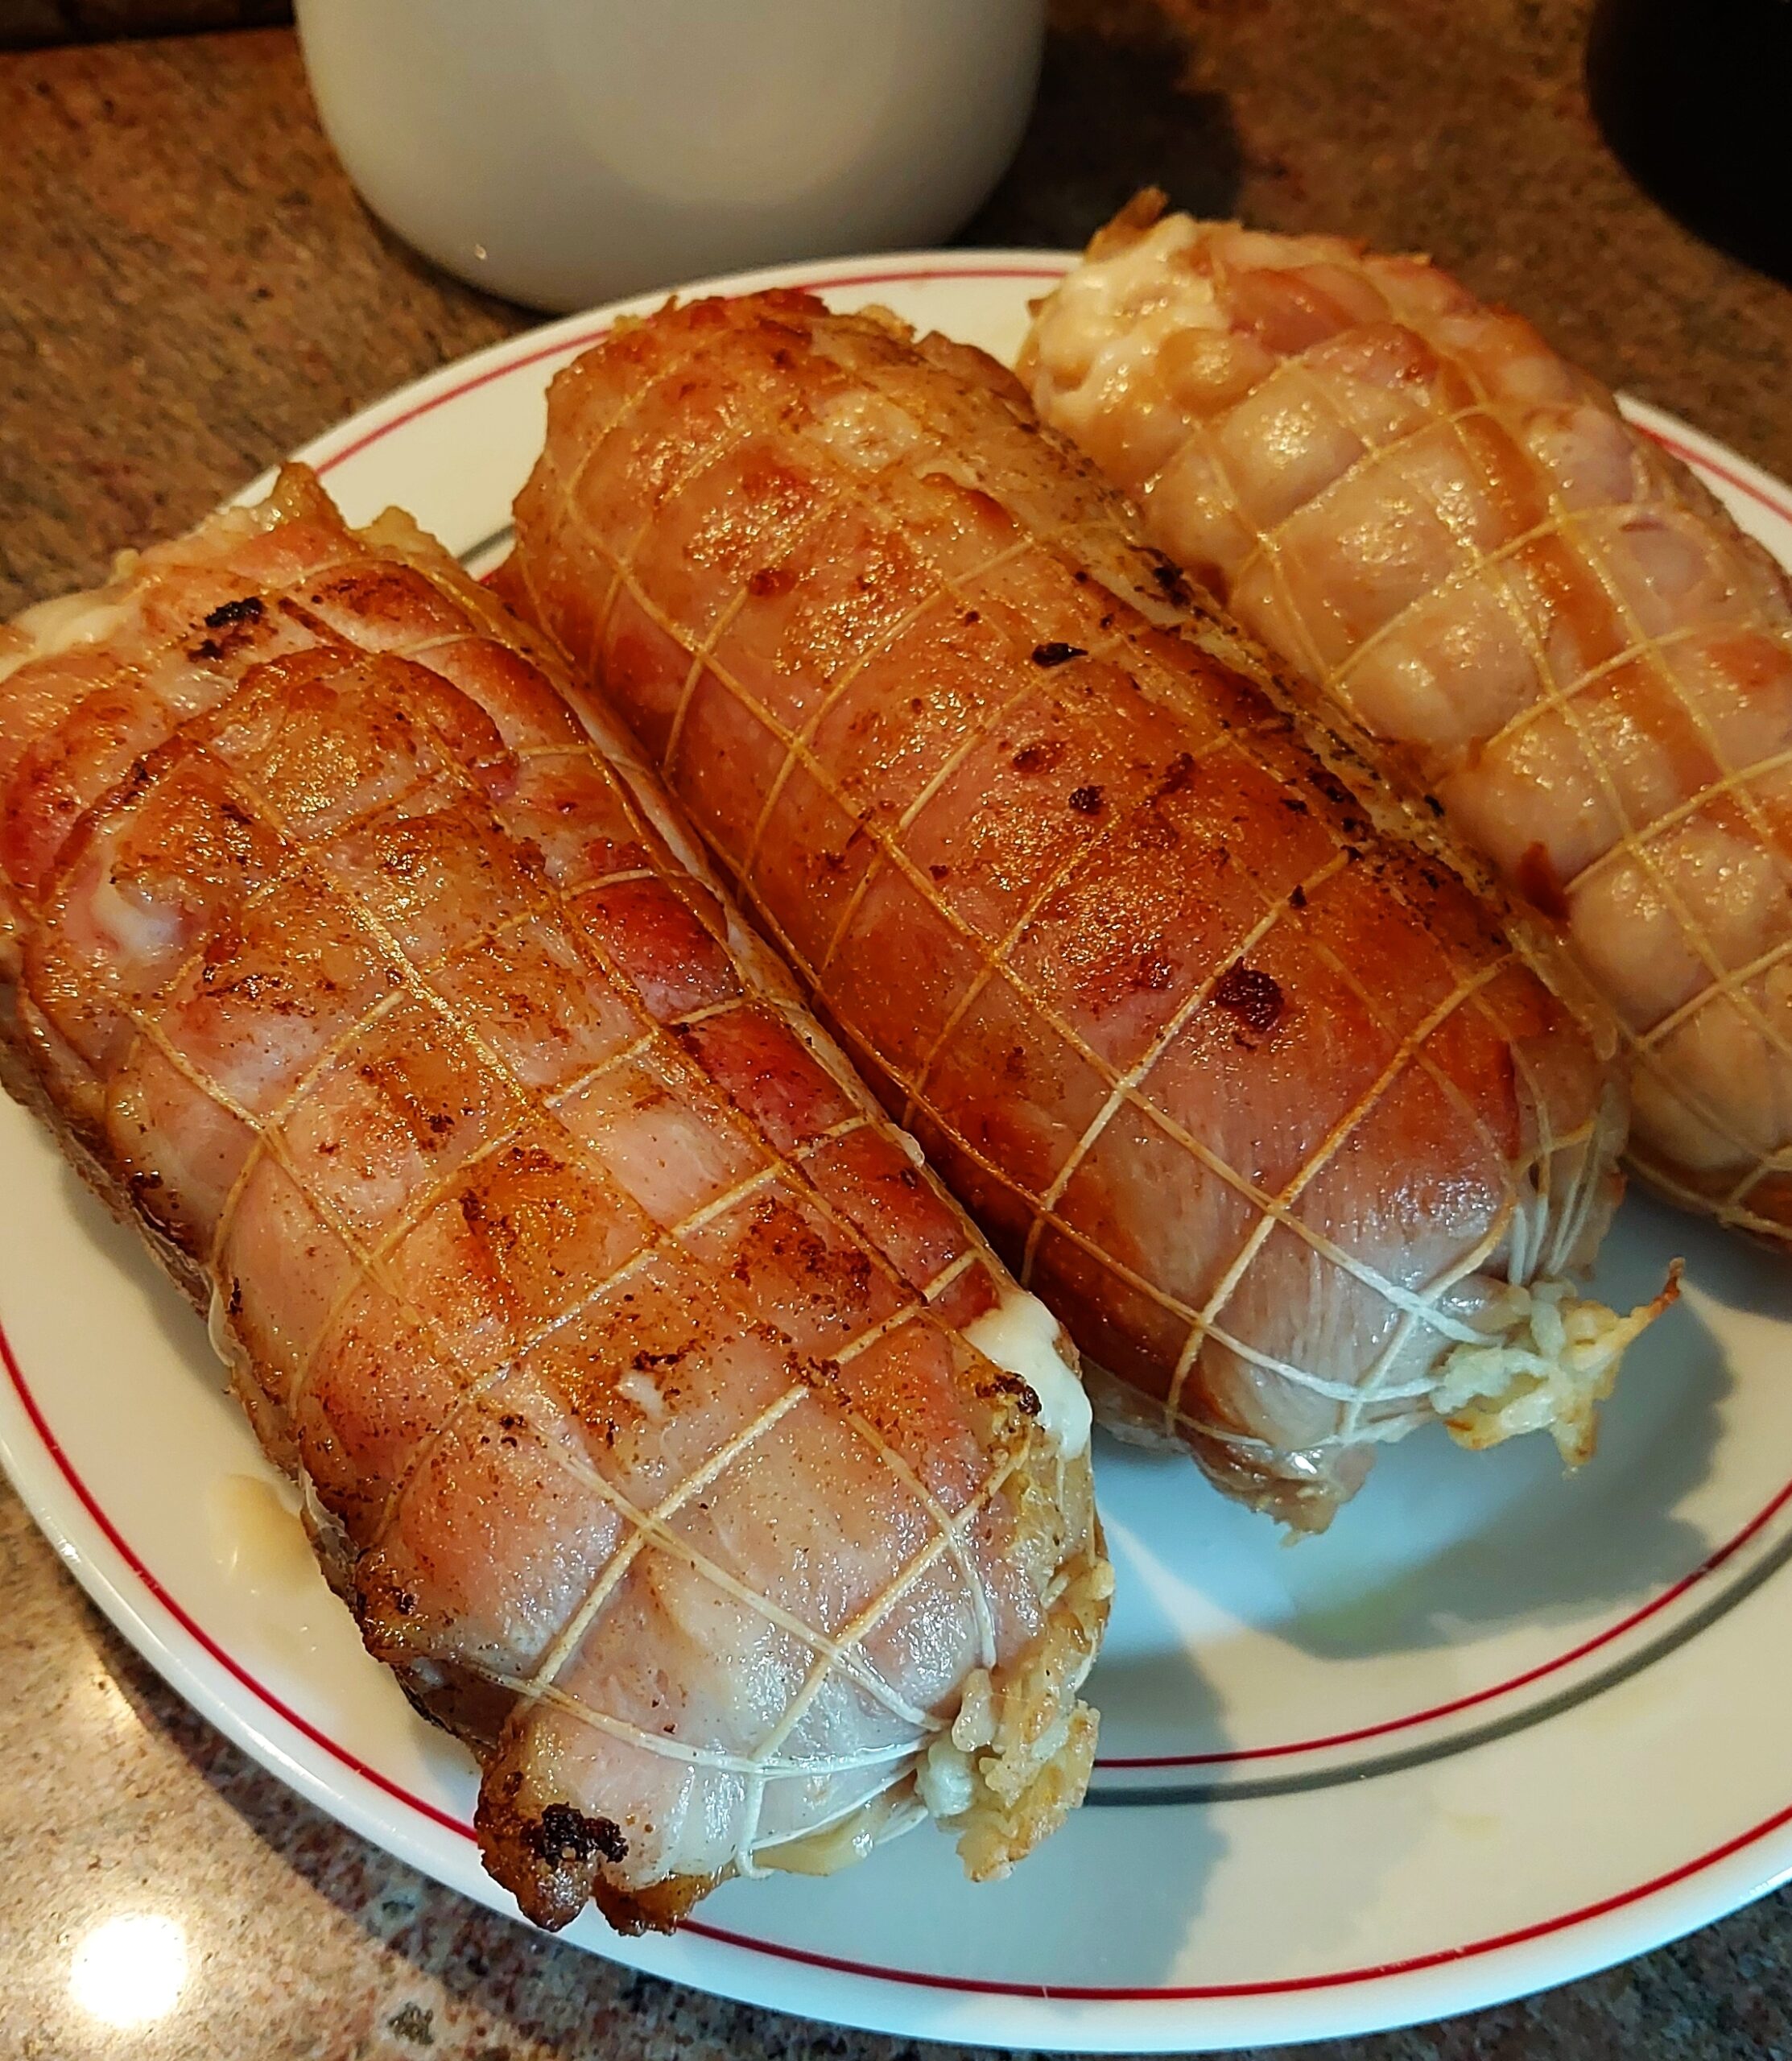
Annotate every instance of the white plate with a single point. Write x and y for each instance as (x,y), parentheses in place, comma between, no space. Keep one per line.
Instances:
(1498,1729)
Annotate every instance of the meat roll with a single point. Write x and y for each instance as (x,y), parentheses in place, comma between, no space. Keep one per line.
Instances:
(1518,603)
(672,1433)
(1265,1106)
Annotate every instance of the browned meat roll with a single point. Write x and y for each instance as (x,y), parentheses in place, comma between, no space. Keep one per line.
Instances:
(1264,1106)
(1513,600)
(673,1435)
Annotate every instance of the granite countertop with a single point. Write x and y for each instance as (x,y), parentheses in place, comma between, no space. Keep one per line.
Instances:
(188,289)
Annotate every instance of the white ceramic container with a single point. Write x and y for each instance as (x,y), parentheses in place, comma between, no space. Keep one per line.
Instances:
(560,152)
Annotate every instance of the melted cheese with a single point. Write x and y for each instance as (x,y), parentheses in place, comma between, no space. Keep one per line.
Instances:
(1021,1336)
(1100,331)
(88,617)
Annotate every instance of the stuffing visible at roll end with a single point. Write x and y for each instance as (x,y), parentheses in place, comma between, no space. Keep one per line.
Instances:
(1548,1364)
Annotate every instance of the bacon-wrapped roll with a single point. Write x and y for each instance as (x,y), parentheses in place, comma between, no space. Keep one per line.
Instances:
(673,1435)
(1263,1105)
(1515,601)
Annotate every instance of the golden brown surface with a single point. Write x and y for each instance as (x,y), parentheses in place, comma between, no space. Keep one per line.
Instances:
(1261,1104)
(617,1340)
(1519,604)
(1506,594)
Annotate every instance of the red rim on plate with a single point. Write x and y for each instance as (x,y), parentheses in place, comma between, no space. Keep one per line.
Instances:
(963,1985)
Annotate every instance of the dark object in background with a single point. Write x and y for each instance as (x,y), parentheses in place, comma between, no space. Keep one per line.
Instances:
(27,23)
(1113,114)
(1692,95)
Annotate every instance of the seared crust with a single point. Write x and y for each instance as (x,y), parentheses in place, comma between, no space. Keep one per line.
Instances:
(1526,614)
(1263,1101)
(618,1339)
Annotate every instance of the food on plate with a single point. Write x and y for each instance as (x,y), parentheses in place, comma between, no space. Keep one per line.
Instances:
(673,1435)
(1264,1104)
(1528,612)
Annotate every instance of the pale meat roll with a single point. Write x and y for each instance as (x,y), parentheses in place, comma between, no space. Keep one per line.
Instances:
(672,1435)
(1264,1106)
(1521,604)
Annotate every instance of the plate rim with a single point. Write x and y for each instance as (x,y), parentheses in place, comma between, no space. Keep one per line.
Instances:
(861,1994)
(1150,2017)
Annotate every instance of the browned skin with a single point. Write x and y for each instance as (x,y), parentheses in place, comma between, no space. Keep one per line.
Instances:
(1511,600)
(1253,1098)
(617,1333)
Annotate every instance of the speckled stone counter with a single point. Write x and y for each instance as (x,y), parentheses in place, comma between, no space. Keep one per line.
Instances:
(188,288)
